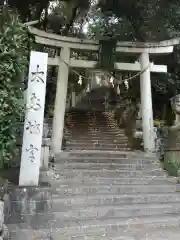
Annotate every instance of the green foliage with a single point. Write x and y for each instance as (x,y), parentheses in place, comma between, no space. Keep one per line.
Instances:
(58,15)
(14,50)
(172,166)
(137,20)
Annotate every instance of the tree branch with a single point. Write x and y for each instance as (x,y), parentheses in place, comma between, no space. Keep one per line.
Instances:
(69,25)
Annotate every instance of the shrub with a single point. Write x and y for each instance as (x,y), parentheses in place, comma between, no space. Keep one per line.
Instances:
(14,51)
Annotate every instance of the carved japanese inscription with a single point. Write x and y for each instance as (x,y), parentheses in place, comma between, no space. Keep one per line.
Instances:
(37,75)
(33,125)
(35,102)
(32,152)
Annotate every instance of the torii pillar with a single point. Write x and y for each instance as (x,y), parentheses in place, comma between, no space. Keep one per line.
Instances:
(146,104)
(60,101)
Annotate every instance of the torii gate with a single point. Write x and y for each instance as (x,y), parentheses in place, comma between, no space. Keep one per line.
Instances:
(64,61)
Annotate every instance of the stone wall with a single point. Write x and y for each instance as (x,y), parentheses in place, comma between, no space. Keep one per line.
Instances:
(168,149)
(127,116)
(25,209)
(4,214)
(172,152)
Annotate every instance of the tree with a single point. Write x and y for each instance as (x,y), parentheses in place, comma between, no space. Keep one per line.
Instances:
(126,20)
(59,14)
(138,21)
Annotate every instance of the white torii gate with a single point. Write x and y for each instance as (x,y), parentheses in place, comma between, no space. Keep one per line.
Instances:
(64,61)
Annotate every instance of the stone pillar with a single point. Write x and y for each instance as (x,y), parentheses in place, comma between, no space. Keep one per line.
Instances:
(73,97)
(60,102)
(146,105)
(34,118)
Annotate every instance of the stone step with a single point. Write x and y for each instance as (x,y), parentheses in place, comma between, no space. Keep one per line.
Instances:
(91,118)
(87,157)
(80,142)
(95,126)
(110,170)
(96,134)
(38,230)
(78,137)
(98,148)
(92,122)
(89,133)
(96,137)
(92,139)
(81,213)
(45,199)
(93,115)
(103,160)
(94,145)
(95,141)
(103,181)
(69,173)
(117,199)
(106,166)
(133,233)
(104,129)
(93,133)
(138,155)
(95,154)
(113,159)
(74,190)
(105,212)
(110,121)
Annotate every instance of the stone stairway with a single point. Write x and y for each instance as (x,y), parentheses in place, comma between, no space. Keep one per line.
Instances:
(97,195)
(94,131)
(95,99)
